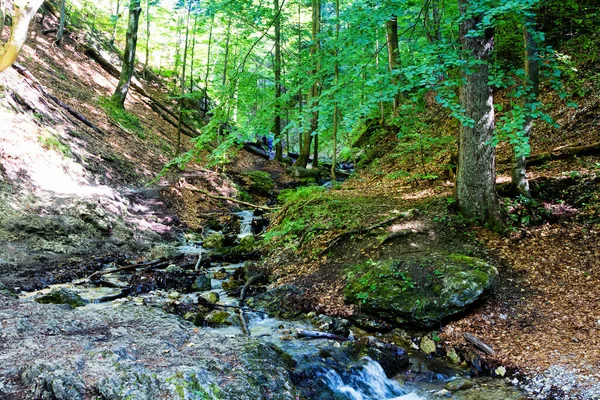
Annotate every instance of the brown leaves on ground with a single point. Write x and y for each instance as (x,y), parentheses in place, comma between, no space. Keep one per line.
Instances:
(546,309)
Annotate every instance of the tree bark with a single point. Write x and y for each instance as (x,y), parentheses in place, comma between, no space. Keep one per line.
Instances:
(24,10)
(210,34)
(182,81)
(391,28)
(336,74)
(129,55)
(277,68)
(61,24)
(476,177)
(313,94)
(145,70)
(117,16)
(520,184)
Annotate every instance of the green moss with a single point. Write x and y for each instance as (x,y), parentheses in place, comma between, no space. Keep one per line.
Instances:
(61,296)
(424,291)
(53,142)
(259,182)
(127,120)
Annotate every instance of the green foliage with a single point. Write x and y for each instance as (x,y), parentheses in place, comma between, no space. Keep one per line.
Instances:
(53,142)
(127,120)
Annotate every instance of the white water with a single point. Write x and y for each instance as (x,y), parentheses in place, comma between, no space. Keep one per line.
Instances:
(245,223)
(368,383)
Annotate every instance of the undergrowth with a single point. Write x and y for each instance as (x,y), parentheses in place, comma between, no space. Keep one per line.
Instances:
(128,121)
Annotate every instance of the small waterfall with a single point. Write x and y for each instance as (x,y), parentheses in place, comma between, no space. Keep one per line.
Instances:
(245,223)
(368,382)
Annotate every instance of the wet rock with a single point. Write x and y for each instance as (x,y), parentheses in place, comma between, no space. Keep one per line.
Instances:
(217,318)
(393,359)
(423,291)
(231,284)
(453,356)
(174,295)
(246,244)
(459,384)
(259,224)
(285,301)
(427,345)
(6,291)
(213,241)
(48,381)
(212,297)
(162,251)
(220,274)
(202,283)
(61,296)
(174,269)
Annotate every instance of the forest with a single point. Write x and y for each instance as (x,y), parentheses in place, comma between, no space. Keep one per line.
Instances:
(294,199)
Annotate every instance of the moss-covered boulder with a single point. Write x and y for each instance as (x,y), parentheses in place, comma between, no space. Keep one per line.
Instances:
(423,291)
(61,296)
(217,318)
(258,182)
(213,241)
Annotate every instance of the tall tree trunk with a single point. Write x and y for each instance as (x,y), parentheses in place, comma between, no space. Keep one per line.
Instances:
(391,28)
(381,107)
(117,16)
(210,34)
(2,14)
(147,59)
(520,184)
(277,68)
(313,97)
(182,82)
(24,10)
(129,55)
(224,76)
(61,23)
(476,177)
(193,51)
(336,74)
(300,136)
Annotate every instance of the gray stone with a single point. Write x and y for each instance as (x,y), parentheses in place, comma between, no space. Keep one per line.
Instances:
(61,296)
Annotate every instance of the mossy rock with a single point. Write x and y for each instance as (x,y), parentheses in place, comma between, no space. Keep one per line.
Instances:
(231,284)
(423,291)
(259,182)
(217,318)
(6,291)
(202,283)
(213,241)
(246,244)
(212,297)
(61,296)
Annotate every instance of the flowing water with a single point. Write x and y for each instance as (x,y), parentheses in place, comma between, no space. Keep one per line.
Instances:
(343,377)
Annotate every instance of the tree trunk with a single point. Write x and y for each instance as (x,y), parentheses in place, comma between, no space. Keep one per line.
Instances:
(129,55)
(182,81)
(117,16)
(193,51)
(277,68)
(2,14)
(224,76)
(520,184)
(146,60)
(313,94)
(336,74)
(476,177)
(300,136)
(391,27)
(210,33)
(61,24)
(24,10)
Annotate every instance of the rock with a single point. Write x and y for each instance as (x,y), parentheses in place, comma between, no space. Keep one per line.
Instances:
(212,297)
(258,182)
(174,295)
(51,382)
(220,274)
(259,224)
(427,345)
(213,241)
(422,290)
(281,301)
(393,359)
(174,269)
(202,283)
(443,393)
(217,318)
(453,356)
(61,296)
(231,284)
(162,251)
(246,244)
(6,291)
(459,384)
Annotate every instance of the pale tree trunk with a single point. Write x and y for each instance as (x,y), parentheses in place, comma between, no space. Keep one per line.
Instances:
(182,81)
(313,94)
(381,107)
(117,16)
(129,55)
(210,34)
(476,177)
(193,51)
(277,68)
(520,184)
(224,76)
(299,86)
(24,10)
(61,24)
(2,14)
(146,59)
(336,74)
(391,28)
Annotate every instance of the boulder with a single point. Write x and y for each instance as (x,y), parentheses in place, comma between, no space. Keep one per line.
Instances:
(217,318)
(61,296)
(213,241)
(421,291)
(202,283)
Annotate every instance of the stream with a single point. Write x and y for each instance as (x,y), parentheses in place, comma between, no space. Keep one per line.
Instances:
(323,368)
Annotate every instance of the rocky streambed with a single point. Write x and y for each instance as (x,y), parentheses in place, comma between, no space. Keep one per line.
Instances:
(177,337)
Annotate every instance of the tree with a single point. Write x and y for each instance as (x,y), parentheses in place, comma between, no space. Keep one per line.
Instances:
(24,10)
(336,77)
(129,55)
(476,177)
(520,184)
(391,29)
(182,81)
(277,72)
(61,24)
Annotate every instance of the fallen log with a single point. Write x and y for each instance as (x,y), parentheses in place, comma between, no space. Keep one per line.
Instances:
(342,235)
(37,85)
(250,148)
(153,264)
(478,344)
(321,335)
(193,189)
(564,152)
(246,286)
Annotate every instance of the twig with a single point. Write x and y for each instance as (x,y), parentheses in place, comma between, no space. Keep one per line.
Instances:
(193,189)
(478,344)
(153,264)
(243,321)
(342,235)
(246,286)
